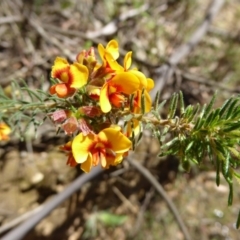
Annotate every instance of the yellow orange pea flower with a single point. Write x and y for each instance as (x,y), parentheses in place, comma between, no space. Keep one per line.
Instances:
(5,130)
(108,147)
(112,50)
(112,91)
(72,77)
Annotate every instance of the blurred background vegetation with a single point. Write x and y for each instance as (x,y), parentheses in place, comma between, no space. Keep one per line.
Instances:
(121,204)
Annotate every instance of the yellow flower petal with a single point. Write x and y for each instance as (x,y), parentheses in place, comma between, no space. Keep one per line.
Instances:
(87,165)
(150,84)
(141,77)
(114,65)
(118,141)
(61,90)
(112,47)
(127,60)
(104,99)
(125,82)
(79,75)
(81,146)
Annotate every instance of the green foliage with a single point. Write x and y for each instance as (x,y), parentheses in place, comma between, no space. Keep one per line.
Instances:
(20,106)
(206,133)
(111,220)
(105,218)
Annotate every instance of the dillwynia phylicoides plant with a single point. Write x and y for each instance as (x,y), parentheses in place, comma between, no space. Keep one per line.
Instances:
(104,107)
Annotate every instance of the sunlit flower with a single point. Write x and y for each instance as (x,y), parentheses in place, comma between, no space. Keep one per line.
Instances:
(5,130)
(107,148)
(71,76)
(113,90)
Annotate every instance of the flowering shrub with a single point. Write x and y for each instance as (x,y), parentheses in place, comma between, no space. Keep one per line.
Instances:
(104,106)
(99,94)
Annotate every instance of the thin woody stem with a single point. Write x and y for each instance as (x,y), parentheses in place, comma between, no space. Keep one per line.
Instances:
(176,124)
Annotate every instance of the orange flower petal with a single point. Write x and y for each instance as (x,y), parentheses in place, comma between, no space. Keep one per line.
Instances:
(61,90)
(67,146)
(117,99)
(71,161)
(52,89)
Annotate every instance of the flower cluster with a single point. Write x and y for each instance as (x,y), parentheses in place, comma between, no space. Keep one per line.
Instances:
(98,95)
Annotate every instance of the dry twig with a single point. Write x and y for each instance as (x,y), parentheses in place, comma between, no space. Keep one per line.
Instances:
(143,208)
(163,194)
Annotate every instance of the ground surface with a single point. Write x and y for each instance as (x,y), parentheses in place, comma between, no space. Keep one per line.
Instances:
(32,34)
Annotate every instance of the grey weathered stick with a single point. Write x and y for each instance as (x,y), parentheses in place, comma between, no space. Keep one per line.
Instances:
(16,221)
(10,19)
(20,231)
(163,194)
